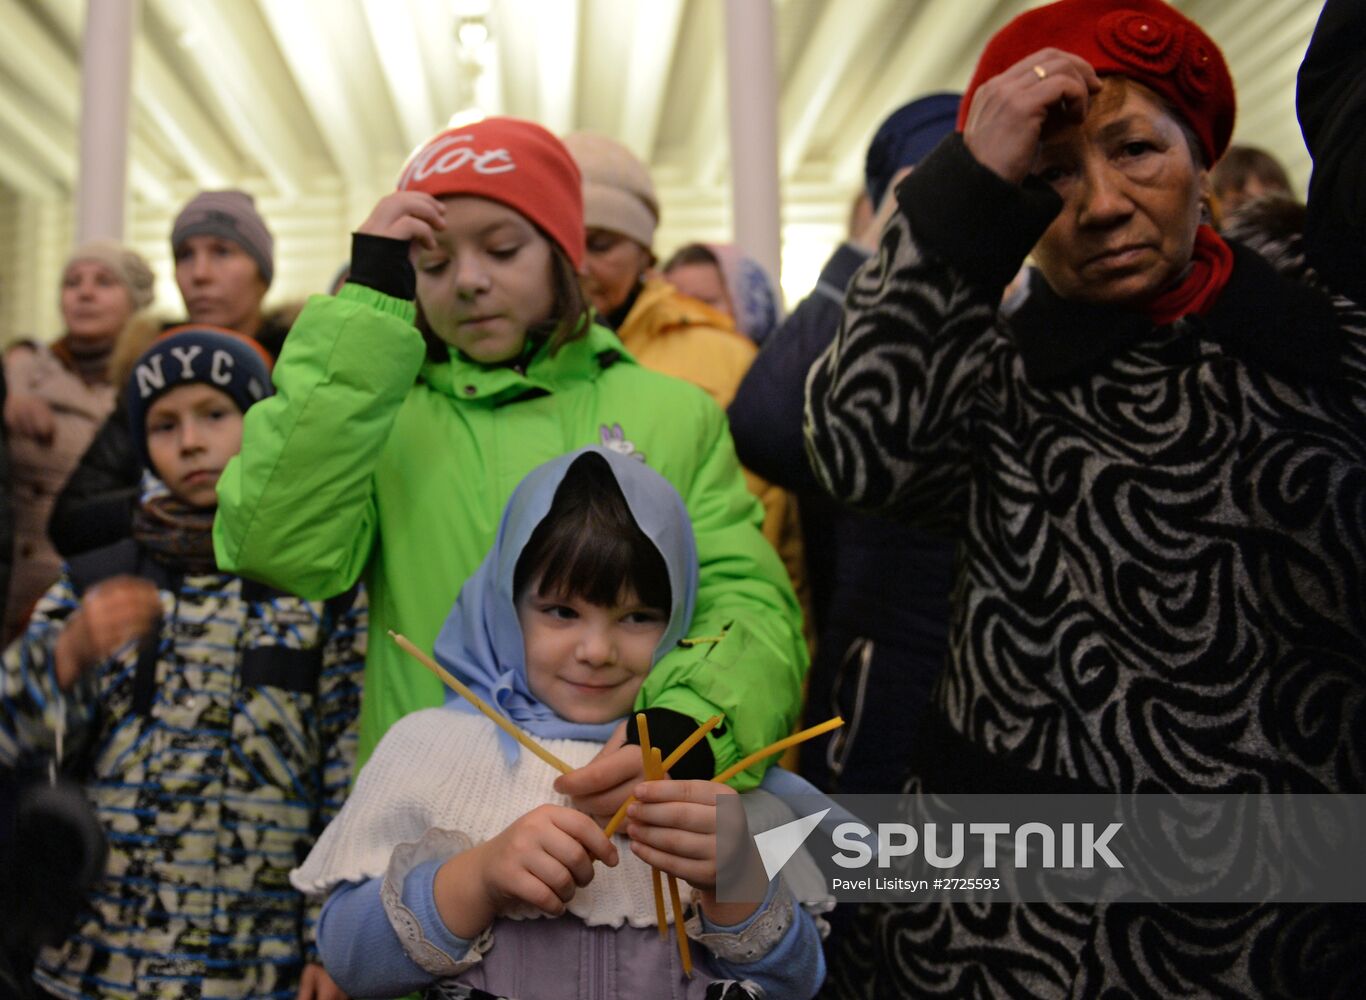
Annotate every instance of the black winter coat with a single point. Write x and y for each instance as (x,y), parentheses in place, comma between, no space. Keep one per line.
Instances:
(1331,101)
(879,587)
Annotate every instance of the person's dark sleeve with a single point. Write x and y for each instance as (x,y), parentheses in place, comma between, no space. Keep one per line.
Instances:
(766,413)
(1330,100)
(890,405)
(668,730)
(95,508)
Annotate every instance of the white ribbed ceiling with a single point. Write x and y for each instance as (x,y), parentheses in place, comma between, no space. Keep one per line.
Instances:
(301,100)
(291,90)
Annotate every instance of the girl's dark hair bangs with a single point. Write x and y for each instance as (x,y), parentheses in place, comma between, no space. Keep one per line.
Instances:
(589,546)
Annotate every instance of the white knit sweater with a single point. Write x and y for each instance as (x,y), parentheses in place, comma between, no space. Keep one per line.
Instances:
(441,768)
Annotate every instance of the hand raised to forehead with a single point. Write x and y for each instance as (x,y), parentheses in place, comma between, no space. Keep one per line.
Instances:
(1008,112)
(406,215)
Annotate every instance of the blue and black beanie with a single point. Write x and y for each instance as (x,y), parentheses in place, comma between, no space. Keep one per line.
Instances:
(220,358)
(905,138)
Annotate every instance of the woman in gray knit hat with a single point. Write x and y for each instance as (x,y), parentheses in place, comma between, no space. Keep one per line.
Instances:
(224,262)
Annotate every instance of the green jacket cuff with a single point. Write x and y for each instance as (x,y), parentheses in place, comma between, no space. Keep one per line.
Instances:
(404,309)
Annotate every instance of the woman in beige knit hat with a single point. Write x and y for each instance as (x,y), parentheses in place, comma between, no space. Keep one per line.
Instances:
(59,395)
(662,328)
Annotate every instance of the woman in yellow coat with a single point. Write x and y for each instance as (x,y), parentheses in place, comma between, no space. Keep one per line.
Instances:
(663,329)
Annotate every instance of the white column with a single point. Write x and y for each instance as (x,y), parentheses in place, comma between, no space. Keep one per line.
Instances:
(106,87)
(752,79)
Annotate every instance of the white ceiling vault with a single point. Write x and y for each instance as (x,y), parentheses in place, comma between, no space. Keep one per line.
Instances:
(314,104)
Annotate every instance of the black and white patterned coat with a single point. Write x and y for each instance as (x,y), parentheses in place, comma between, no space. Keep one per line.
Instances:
(1162,570)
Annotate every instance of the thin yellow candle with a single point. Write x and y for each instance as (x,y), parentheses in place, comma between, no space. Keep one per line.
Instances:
(653,765)
(646,758)
(657,877)
(684,952)
(496,717)
(779,747)
(669,762)
(647,765)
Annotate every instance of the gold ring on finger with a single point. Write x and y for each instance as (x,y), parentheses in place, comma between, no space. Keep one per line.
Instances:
(1039,71)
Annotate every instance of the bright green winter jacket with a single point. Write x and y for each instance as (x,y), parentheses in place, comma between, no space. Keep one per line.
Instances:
(373,459)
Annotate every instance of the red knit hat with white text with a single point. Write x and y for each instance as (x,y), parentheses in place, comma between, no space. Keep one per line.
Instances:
(514,162)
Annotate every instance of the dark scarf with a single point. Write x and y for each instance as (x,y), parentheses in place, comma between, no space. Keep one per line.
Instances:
(177,535)
(89,362)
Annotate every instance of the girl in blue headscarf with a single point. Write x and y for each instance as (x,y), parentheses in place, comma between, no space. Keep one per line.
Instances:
(454,843)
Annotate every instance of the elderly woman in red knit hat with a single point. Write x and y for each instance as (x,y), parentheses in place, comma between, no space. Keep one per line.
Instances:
(1156,466)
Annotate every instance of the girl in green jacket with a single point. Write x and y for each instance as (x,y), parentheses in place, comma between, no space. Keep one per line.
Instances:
(460,356)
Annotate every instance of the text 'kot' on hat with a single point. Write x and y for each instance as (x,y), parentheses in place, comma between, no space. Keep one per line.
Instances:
(514,162)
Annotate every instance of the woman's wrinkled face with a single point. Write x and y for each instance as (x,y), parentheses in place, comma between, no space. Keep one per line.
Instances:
(611,267)
(1131,187)
(487,281)
(95,303)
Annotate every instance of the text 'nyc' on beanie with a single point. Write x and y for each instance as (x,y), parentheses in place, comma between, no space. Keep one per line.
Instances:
(514,162)
(229,215)
(229,362)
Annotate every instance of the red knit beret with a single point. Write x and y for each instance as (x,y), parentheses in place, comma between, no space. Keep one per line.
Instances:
(1145,40)
(514,162)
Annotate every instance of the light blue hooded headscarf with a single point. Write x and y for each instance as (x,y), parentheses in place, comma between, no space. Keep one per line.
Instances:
(481,641)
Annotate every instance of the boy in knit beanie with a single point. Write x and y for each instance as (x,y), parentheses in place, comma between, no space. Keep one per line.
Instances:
(213,710)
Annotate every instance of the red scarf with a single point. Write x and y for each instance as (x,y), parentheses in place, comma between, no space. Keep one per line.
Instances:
(1211,266)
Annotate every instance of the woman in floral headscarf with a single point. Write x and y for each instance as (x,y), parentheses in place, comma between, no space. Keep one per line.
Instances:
(725,278)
